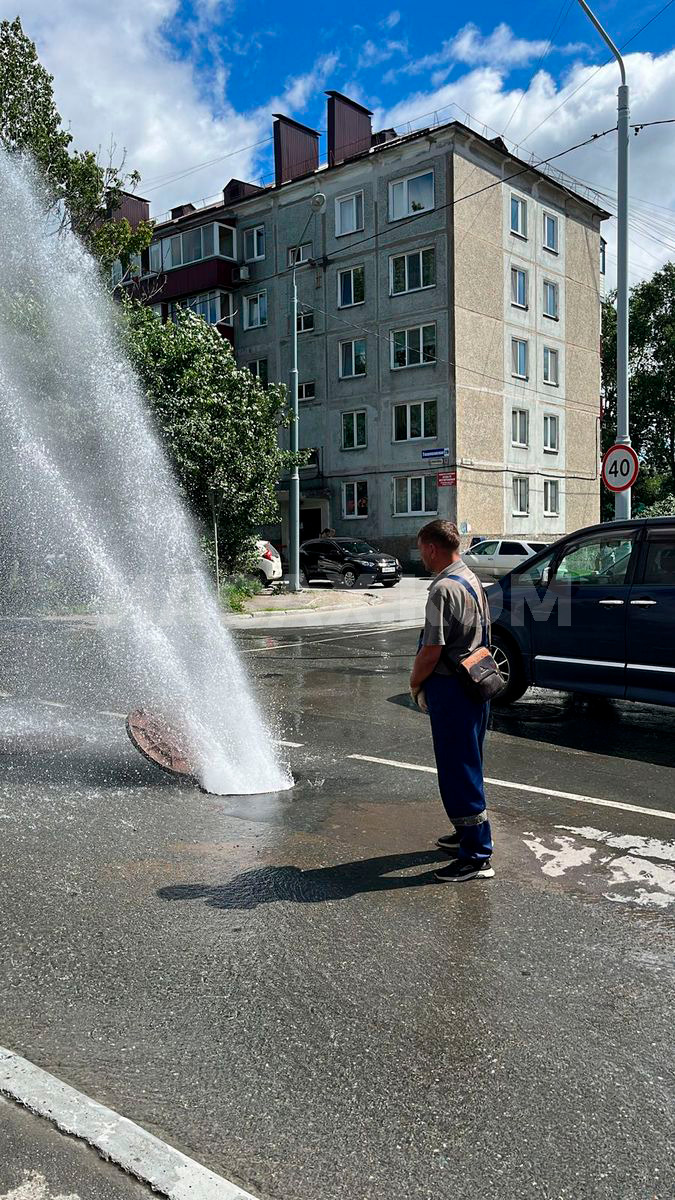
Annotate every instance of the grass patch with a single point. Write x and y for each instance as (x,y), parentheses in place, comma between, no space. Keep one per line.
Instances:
(234,592)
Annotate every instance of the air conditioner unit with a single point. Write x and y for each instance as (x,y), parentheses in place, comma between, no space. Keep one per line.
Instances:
(241,274)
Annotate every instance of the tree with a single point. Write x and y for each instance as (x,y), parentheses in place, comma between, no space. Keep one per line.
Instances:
(652,381)
(88,194)
(218,423)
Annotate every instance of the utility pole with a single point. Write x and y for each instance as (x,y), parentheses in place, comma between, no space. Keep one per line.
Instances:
(317,205)
(622,500)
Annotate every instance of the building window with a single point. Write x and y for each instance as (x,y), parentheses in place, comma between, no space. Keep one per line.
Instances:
(412,272)
(550,366)
(518,216)
(551,305)
(415,495)
(355,499)
(348,214)
(414,194)
(354,430)
(254,243)
(520,427)
(551,433)
(519,358)
(603,256)
(306,391)
(550,233)
(313,464)
(255,310)
(351,287)
(195,244)
(519,287)
(352,358)
(551,498)
(214,307)
(415,421)
(258,368)
(305,319)
(415,347)
(521,496)
(299,254)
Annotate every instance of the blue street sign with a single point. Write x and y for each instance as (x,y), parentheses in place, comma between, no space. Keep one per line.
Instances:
(439,452)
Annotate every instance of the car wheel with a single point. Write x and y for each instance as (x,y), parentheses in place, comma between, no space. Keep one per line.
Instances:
(262,578)
(390,583)
(510,662)
(349,577)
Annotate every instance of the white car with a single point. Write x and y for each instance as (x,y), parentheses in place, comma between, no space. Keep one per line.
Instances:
(492,559)
(268,566)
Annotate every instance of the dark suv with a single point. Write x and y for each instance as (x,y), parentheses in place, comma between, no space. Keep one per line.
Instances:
(593,613)
(346,560)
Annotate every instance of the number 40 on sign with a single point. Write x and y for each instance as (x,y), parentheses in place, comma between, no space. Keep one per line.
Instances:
(620,467)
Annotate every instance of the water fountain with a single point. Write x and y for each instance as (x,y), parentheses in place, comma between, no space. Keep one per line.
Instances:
(91,518)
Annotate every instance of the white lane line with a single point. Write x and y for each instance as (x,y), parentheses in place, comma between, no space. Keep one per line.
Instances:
(295,745)
(53,703)
(528,787)
(109,712)
(379,629)
(138,1152)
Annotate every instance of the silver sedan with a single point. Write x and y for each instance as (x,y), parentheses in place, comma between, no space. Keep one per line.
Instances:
(492,559)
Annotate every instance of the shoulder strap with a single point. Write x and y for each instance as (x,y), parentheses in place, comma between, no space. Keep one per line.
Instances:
(481,608)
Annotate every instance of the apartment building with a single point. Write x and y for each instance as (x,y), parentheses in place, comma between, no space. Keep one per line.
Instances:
(449,327)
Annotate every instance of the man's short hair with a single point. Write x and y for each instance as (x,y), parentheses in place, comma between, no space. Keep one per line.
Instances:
(442,533)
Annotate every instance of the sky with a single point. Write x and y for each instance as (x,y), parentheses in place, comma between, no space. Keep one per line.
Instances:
(186,88)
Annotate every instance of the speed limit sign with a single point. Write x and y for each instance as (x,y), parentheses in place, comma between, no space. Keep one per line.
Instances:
(620,468)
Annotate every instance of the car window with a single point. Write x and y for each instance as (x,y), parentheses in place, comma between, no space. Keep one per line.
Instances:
(537,546)
(513,548)
(597,562)
(485,548)
(356,547)
(533,574)
(311,546)
(660,565)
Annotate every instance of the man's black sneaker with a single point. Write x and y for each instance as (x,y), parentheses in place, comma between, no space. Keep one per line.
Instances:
(449,842)
(461,869)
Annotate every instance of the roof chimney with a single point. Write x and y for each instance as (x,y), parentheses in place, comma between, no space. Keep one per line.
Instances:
(349,128)
(296,149)
(182,210)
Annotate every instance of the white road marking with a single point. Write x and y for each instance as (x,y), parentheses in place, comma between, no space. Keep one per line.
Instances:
(295,745)
(109,712)
(527,787)
(321,641)
(647,884)
(138,1152)
(53,703)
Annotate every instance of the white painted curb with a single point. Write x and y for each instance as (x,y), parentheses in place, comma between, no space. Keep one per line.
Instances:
(115,1138)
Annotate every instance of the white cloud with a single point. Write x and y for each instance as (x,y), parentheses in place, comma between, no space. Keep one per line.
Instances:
(501,48)
(392,20)
(116,78)
(372,54)
(484,93)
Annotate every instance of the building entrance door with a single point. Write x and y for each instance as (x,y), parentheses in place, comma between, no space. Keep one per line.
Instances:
(310,523)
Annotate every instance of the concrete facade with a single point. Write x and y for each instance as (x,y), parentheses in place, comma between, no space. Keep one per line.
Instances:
(382,205)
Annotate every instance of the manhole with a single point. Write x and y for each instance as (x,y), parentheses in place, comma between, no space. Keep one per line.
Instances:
(159,742)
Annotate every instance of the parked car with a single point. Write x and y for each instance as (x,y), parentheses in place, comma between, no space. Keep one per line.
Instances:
(346,560)
(268,566)
(494,558)
(595,613)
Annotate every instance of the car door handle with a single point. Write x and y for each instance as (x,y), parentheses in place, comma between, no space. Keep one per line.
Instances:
(611,603)
(643,603)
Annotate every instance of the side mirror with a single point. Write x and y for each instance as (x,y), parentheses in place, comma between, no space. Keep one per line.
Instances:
(546,576)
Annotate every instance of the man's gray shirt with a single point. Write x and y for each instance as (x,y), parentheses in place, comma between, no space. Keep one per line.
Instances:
(452,618)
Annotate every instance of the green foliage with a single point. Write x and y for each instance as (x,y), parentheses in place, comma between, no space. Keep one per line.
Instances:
(236,591)
(652,383)
(218,423)
(662,508)
(87,192)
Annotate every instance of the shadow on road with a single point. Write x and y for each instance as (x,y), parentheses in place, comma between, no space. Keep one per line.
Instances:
(266,885)
(617,728)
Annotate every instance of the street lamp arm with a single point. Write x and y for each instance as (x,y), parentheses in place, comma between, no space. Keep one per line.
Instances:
(592,17)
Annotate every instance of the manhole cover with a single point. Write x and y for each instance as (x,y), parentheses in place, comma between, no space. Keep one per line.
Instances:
(160,743)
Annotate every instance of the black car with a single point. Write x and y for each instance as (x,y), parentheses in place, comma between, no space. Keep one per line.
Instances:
(595,613)
(347,560)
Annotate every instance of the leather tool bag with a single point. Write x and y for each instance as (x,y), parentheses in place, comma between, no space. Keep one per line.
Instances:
(478,672)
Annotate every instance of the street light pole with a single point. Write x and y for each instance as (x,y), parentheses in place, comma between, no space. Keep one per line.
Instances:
(622,500)
(318,203)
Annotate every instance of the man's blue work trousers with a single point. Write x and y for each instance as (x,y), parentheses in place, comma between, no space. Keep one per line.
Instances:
(458,726)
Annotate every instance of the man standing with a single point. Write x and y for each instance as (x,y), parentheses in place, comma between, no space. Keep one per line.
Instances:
(456,624)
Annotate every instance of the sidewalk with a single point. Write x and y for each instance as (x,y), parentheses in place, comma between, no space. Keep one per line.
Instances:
(335,606)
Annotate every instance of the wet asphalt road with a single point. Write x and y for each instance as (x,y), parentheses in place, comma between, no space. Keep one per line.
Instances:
(278,986)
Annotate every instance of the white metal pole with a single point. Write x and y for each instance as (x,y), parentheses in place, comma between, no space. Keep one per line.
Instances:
(622,500)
